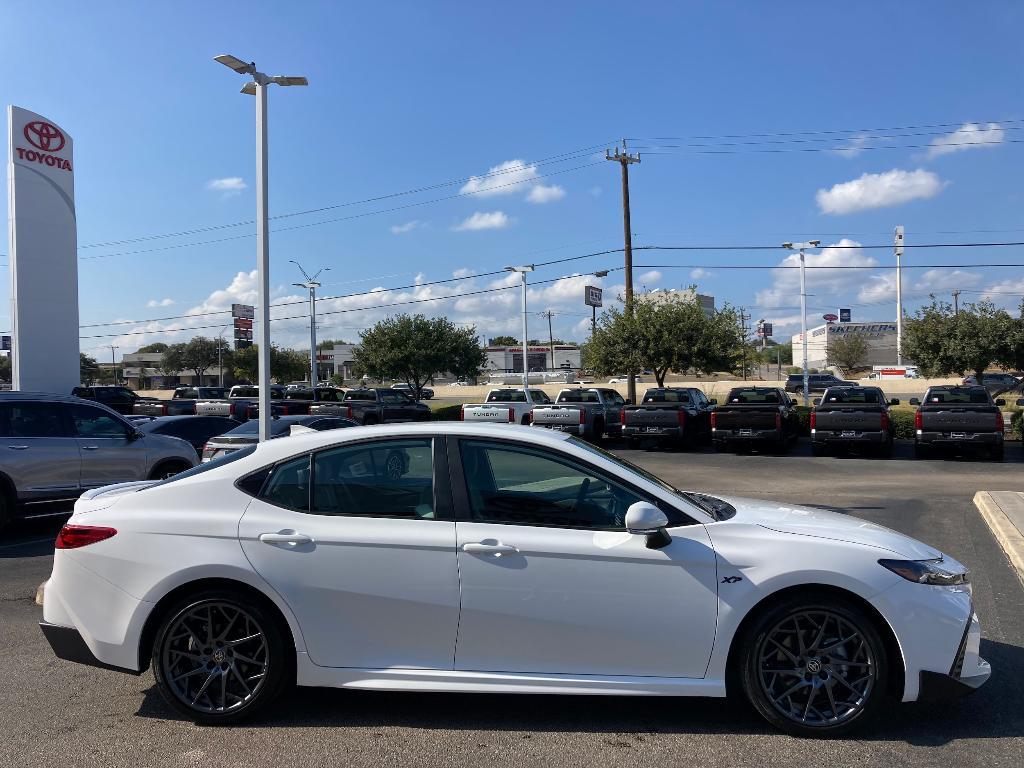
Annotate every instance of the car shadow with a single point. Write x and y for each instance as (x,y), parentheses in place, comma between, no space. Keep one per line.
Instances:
(32,537)
(995,711)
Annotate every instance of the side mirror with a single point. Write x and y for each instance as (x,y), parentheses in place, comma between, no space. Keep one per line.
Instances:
(915,401)
(647,520)
(1000,402)
(895,401)
(816,401)
(135,435)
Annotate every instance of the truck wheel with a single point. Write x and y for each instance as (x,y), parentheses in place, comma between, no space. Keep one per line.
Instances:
(719,446)
(819,449)
(885,450)
(598,434)
(922,451)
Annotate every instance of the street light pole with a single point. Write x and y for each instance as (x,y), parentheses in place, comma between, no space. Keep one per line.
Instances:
(258,87)
(803,308)
(113,364)
(220,354)
(311,285)
(526,367)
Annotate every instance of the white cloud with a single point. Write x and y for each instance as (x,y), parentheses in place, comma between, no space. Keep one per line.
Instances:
(882,287)
(651,277)
(854,146)
(154,303)
(879,190)
(502,179)
(967,136)
(230,186)
(700,274)
(828,277)
(463,272)
(409,226)
(492,220)
(541,194)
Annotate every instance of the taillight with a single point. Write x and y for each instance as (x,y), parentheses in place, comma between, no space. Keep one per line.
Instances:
(814,420)
(682,419)
(1000,424)
(622,417)
(885,421)
(350,413)
(583,416)
(918,421)
(462,413)
(163,408)
(778,421)
(511,415)
(75,536)
(714,420)
(529,418)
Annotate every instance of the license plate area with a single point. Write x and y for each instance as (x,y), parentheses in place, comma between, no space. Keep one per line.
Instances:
(958,435)
(847,433)
(745,432)
(652,429)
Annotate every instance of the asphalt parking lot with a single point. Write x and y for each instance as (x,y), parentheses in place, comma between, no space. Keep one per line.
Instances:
(60,714)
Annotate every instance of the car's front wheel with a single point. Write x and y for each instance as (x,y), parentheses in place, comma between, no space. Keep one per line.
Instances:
(814,667)
(220,657)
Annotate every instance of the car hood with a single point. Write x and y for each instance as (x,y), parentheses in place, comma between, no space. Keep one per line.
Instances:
(823,524)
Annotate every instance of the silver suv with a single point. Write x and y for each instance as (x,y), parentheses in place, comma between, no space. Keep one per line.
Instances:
(54,447)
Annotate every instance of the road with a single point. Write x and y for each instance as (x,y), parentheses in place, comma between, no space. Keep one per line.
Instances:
(60,714)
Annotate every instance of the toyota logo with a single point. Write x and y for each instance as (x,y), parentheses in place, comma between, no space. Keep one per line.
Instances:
(44,136)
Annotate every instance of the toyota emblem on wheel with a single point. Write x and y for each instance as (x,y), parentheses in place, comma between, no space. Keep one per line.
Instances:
(44,136)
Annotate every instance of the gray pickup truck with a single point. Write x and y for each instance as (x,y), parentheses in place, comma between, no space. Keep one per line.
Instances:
(677,415)
(958,418)
(755,416)
(590,413)
(237,404)
(182,402)
(505,406)
(384,406)
(852,417)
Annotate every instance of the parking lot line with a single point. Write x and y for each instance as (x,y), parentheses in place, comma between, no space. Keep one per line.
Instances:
(1003,512)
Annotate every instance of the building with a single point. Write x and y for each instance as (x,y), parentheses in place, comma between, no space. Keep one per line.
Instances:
(143,370)
(538,358)
(880,338)
(707,303)
(339,359)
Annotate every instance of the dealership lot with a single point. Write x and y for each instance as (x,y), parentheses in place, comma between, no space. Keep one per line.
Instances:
(59,714)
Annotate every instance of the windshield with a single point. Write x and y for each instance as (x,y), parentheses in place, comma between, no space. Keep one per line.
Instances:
(754,396)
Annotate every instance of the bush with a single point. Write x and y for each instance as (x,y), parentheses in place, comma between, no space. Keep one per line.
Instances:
(447,412)
(902,424)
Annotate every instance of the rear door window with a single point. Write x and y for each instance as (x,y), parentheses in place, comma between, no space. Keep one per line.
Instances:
(32,420)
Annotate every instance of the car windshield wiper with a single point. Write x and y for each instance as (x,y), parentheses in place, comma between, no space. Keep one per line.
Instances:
(700,501)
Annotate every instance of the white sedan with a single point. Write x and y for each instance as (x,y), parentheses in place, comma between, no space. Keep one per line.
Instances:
(511,561)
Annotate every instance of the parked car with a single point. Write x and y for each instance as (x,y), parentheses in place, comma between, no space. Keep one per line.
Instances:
(194,430)
(120,399)
(755,416)
(505,406)
(248,433)
(53,447)
(569,571)
(996,383)
(847,417)
(591,413)
(182,402)
(239,398)
(320,401)
(384,406)
(816,382)
(959,418)
(624,379)
(426,393)
(669,415)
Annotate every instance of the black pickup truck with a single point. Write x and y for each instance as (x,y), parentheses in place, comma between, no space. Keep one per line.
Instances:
(852,417)
(958,418)
(182,402)
(321,401)
(384,406)
(121,399)
(669,415)
(755,416)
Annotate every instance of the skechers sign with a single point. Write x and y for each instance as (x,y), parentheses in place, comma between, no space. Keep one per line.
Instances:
(46,138)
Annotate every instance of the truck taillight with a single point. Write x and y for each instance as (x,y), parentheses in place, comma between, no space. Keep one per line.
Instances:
(885,421)
(918,421)
(778,421)
(682,419)
(814,420)
(350,415)
(714,420)
(622,417)
(75,536)
(462,413)
(163,408)
(511,415)
(529,418)
(1000,424)
(583,416)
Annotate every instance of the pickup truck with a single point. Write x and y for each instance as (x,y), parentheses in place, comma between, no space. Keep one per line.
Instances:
(679,415)
(322,401)
(846,417)
(505,406)
(384,406)
(590,413)
(239,398)
(958,417)
(816,382)
(182,402)
(755,415)
(120,399)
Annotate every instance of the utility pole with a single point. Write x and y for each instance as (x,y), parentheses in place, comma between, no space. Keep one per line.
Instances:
(803,308)
(899,294)
(220,354)
(551,337)
(743,341)
(956,302)
(624,159)
(523,270)
(113,365)
(311,285)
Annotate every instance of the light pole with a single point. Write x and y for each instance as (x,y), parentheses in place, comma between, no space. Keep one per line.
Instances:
(113,364)
(258,87)
(526,368)
(593,308)
(220,353)
(898,242)
(311,285)
(803,307)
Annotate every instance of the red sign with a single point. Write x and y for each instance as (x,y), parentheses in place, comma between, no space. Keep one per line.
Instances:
(830,318)
(241,322)
(44,136)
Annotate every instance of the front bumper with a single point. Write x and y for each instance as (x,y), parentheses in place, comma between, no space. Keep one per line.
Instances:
(968,673)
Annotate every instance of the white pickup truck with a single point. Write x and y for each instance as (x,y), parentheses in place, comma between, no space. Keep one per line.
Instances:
(505,406)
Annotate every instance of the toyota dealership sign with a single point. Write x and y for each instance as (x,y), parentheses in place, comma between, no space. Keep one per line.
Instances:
(43,253)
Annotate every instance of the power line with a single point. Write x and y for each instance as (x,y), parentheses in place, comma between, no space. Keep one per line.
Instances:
(648,151)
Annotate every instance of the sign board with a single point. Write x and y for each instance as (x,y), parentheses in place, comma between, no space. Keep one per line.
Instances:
(844,315)
(242,344)
(242,324)
(592,296)
(247,311)
(830,318)
(43,243)
(766,330)
(5,343)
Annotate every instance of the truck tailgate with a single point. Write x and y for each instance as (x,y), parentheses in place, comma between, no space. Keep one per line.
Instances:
(488,413)
(959,420)
(557,415)
(849,420)
(745,418)
(213,408)
(643,416)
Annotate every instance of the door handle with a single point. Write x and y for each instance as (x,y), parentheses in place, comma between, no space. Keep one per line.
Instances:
(90,447)
(291,539)
(479,548)
(18,447)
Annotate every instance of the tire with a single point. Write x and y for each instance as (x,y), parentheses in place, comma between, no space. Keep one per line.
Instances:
(922,451)
(795,659)
(166,469)
(885,450)
(6,509)
(719,446)
(819,449)
(181,659)
(633,443)
(525,420)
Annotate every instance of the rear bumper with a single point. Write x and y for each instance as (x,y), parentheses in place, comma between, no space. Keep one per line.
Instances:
(836,436)
(67,643)
(674,433)
(746,436)
(968,438)
(572,429)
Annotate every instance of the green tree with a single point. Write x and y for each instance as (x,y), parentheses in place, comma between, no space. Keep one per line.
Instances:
(88,368)
(285,364)
(672,333)
(504,341)
(848,351)
(5,369)
(414,349)
(245,362)
(776,353)
(158,346)
(943,342)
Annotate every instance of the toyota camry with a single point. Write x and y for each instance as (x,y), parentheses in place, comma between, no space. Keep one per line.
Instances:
(495,560)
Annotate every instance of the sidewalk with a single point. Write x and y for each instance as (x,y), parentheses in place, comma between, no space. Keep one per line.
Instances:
(1003,511)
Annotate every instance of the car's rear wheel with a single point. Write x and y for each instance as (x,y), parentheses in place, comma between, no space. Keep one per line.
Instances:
(220,657)
(814,668)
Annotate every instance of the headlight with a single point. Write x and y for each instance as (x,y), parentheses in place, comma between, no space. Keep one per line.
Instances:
(926,572)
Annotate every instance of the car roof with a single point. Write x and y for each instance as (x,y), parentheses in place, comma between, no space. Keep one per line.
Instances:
(47,396)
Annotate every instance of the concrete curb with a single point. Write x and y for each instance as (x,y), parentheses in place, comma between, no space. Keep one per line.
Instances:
(1010,538)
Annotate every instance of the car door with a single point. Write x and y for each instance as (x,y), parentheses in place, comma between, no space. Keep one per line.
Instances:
(553,584)
(359,540)
(38,452)
(110,450)
(394,405)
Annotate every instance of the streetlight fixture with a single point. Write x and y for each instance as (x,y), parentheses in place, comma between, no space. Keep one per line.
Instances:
(258,87)
(803,307)
(311,285)
(593,309)
(526,368)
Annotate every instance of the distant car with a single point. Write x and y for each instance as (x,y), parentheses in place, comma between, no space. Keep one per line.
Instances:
(426,393)
(816,382)
(280,426)
(994,382)
(624,379)
(195,430)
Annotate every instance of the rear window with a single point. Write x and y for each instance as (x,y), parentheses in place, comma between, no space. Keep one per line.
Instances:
(578,396)
(507,396)
(667,396)
(298,394)
(974,395)
(245,392)
(753,396)
(361,395)
(858,395)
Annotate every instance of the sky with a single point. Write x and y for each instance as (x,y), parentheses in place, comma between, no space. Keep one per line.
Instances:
(451,139)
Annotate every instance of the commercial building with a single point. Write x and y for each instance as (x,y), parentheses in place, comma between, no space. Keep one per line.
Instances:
(144,370)
(880,338)
(538,358)
(707,303)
